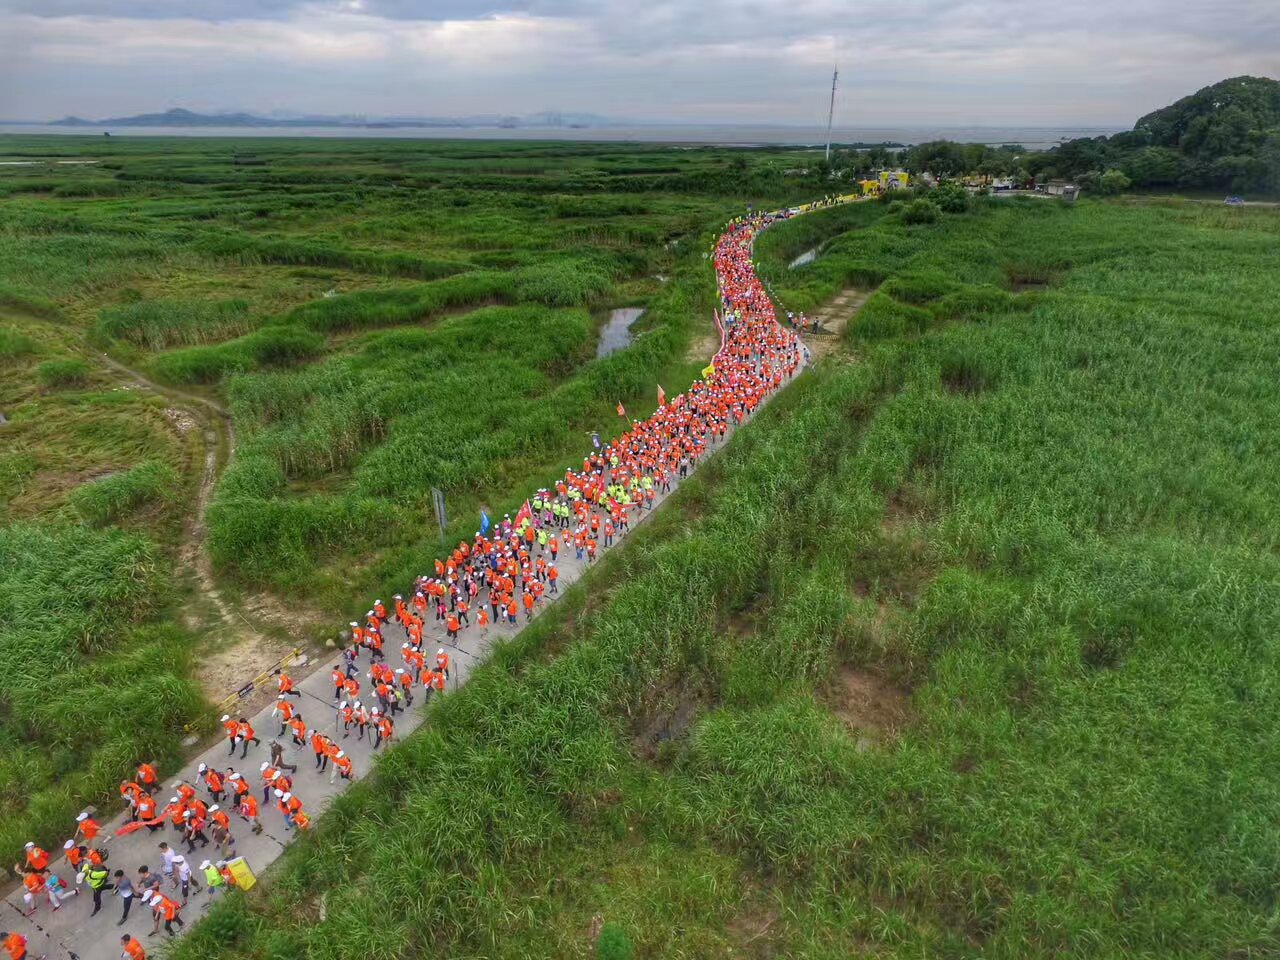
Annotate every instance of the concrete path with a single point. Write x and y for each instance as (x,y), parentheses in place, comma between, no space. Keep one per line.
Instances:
(72,933)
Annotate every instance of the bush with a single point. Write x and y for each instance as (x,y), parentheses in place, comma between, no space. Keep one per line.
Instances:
(398,305)
(919,287)
(882,317)
(567,283)
(91,188)
(951,197)
(277,345)
(614,944)
(921,211)
(970,301)
(314,253)
(161,324)
(966,374)
(266,347)
(110,498)
(89,690)
(1113,182)
(62,373)
(14,344)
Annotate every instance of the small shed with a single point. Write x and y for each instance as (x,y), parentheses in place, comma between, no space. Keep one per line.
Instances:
(1061,188)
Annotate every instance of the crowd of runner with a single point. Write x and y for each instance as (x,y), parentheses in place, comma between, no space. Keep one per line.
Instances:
(500,574)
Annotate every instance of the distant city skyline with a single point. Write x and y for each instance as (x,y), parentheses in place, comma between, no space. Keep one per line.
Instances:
(915,62)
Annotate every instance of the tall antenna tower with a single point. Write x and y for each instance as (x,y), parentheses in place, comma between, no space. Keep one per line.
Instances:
(831,111)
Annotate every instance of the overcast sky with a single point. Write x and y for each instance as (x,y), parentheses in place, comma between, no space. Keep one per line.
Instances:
(902,62)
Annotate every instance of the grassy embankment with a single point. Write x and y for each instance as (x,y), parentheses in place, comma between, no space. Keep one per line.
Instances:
(967,645)
(456,350)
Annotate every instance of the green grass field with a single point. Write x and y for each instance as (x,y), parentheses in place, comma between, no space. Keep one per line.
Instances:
(964,647)
(374,317)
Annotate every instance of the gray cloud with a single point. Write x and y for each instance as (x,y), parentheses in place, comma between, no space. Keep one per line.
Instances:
(994,61)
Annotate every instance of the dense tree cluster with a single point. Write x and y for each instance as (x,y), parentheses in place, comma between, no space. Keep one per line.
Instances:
(1226,135)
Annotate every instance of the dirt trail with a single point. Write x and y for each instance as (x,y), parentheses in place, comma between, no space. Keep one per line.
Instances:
(218,444)
(245,650)
(832,318)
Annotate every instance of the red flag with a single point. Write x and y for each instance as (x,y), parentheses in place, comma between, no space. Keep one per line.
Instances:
(662,396)
(524,513)
(622,411)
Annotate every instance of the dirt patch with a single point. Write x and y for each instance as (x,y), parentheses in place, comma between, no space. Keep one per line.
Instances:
(1023,277)
(63,483)
(666,716)
(234,664)
(702,348)
(180,420)
(905,506)
(869,704)
(668,723)
(967,376)
(832,319)
(749,929)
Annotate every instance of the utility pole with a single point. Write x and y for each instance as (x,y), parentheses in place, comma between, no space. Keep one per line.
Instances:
(831,112)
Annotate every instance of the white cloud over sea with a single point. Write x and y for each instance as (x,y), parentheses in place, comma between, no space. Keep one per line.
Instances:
(757,61)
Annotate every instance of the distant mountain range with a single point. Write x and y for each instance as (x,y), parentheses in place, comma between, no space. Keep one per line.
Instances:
(179,117)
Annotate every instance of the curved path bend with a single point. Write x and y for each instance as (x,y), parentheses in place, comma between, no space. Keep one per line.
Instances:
(757,357)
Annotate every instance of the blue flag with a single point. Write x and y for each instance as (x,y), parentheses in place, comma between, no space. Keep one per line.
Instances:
(485,522)
(595,439)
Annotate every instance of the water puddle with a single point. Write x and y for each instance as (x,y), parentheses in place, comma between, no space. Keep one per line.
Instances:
(805,258)
(616,334)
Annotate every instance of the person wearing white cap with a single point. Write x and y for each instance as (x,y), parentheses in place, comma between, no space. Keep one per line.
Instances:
(37,859)
(405,685)
(213,882)
(182,873)
(288,805)
(233,730)
(341,766)
(284,711)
